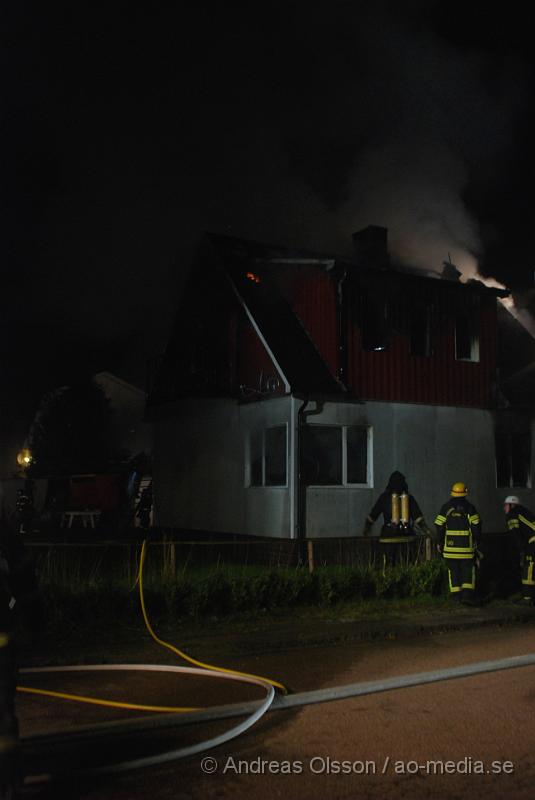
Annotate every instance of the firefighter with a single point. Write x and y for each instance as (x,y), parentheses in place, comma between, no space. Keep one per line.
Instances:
(521,521)
(402,518)
(24,511)
(19,597)
(144,506)
(458,529)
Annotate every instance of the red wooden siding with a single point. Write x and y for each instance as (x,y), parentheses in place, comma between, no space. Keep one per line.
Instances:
(315,305)
(311,292)
(395,375)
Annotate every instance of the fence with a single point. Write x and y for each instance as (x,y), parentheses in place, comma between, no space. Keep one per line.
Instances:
(85,582)
(170,556)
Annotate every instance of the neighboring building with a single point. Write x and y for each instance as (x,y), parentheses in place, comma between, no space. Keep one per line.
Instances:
(295,383)
(130,447)
(131,433)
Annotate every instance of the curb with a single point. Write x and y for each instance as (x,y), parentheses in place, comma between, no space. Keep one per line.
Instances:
(270,641)
(274,637)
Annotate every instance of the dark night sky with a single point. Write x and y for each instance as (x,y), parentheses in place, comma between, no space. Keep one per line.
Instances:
(128,129)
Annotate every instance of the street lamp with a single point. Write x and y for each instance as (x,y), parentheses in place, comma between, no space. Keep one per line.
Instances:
(24,458)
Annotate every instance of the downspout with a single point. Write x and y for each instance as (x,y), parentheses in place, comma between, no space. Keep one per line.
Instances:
(341,302)
(300,516)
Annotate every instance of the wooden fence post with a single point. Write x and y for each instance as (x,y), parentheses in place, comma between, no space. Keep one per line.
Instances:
(428,554)
(310,549)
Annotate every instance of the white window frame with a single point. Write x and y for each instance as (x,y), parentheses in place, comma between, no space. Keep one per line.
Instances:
(248,463)
(369,458)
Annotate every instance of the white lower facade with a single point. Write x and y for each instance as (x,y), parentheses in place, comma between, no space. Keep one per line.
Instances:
(203,465)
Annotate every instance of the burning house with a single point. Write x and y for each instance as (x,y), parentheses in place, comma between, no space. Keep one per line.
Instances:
(294,383)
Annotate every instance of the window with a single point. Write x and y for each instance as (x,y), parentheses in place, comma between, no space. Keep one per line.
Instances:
(513,458)
(268,457)
(371,306)
(335,455)
(356,455)
(466,336)
(322,455)
(256,459)
(275,456)
(374,326)
(420,331)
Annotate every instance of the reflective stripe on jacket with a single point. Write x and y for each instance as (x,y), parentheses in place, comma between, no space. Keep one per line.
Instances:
(521,521)
(458,524)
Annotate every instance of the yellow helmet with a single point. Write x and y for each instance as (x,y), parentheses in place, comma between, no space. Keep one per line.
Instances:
(459,490)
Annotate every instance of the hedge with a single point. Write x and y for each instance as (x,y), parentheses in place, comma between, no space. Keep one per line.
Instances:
(223,592)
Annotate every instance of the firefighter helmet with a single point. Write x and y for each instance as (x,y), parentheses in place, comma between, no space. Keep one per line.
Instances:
(511,499)
(459,490)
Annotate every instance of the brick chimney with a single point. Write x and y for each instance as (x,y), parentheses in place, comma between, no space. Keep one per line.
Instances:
(371,248)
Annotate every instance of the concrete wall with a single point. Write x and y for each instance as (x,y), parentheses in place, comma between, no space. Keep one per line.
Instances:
(434,446)
(200,465)
(200,468)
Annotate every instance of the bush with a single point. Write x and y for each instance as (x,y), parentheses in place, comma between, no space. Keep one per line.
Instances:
(226,591)
(428,578)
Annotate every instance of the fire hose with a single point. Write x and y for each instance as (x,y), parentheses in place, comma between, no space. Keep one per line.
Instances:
(200,669)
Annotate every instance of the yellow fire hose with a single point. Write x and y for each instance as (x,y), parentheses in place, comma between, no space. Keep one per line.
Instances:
(141,707)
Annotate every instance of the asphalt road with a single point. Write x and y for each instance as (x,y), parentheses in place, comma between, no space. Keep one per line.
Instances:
(449,740)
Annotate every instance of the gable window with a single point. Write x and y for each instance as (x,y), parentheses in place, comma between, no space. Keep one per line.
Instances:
(268,457)
(467,335)
(513,456)
(336,455)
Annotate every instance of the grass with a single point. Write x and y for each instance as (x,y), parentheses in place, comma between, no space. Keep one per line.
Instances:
(96,585)
(93,585)
(92,600)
